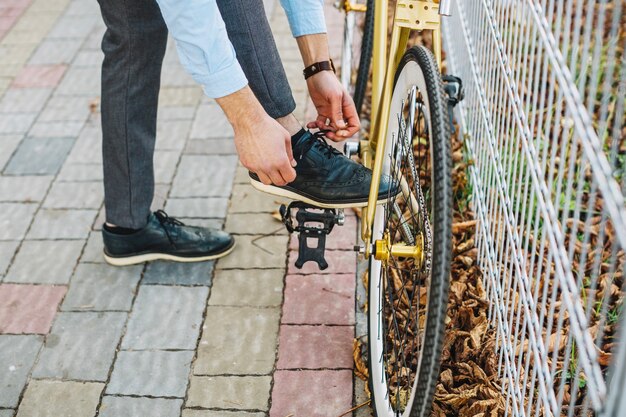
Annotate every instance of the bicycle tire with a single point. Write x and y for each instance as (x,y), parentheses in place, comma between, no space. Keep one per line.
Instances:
(365,60)
(417,68)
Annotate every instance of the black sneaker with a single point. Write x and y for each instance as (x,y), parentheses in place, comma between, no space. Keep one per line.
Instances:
(165,237)
(326,178)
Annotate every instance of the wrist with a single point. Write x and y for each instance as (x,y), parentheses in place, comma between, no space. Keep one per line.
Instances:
(241,108)
(313,48)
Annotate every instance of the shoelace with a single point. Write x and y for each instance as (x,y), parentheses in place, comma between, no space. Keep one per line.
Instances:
(317,140)
(166,220)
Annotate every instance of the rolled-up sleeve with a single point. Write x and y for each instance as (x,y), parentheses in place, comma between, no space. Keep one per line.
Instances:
(306,17)
(203,45)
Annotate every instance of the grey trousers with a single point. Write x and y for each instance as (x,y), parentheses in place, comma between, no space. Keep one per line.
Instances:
(134,45)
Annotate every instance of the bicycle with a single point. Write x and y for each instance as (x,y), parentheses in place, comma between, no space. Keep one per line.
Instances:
(408,238)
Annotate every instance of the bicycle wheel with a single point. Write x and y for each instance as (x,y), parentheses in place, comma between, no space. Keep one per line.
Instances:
(358,40)
(407,296)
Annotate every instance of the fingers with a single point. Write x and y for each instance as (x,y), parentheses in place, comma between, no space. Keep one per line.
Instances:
(351,116)
(264,178)
(336,113)
(288,148)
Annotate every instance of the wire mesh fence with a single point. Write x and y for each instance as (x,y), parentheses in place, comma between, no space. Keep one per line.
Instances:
(543,125)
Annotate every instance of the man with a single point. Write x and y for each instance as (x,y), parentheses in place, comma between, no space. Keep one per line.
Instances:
(228,48)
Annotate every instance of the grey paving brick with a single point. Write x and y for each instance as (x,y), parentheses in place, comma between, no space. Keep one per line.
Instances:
(16,123)
(55,51)
(246,199)
(176,76)
(212,207)
(45,261)
(8,145)
(179,273)
(15,54)
(254,224)
(80,346)
(73,27)
(210,147)
(204,176)
(88,58)
(80,195)
(172,134)
(257,252)
(17,355)
(180,96)
(165,318)
(80,399)
(39,156)
(7,413)
(24,188)
(81,8)
(7,250)
(135,407)
(230,392)
(93,249)
(248,287)
(100,287)
(77,81)
(88,147)
(153,373)
(165,163)
(188,412)
(80,172)
(24,100)
(62,224)
(210,122)
(238,340)
(169,113)
(66,108)
(64,129)
(15,220)
(94,40)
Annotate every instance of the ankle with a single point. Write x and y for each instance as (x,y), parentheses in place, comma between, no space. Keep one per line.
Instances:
(290,123)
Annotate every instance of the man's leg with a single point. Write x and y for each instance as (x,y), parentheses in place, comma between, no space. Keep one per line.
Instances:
(134,46)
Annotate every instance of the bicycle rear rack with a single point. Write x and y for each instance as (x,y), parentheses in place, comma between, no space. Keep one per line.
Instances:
(312,224)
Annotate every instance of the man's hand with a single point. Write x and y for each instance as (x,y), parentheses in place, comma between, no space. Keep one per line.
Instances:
(263,145)
(335,109)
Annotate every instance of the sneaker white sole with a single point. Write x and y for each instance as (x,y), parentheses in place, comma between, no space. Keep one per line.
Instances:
(138,259)
(281,192)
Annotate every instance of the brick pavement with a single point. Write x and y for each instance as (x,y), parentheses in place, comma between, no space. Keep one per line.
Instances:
(248,335)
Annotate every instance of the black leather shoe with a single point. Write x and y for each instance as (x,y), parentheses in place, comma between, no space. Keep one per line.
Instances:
(165,237)
(326,178)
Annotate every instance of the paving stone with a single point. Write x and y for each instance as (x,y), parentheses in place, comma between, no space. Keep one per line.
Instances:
(81,8)
(176,76)
(230,392)
(15,54)
(85,81)
(24,100)
(92,253)
(81,346)
(300,347)
(165,318)
(17,355)
(88,58)
(256,252)
(88,148)
(80,173)
(63,129)
(100,287)
(80,399)
(16,123)
(153,373)
(179,273)
(254,224)
(8,145)
(7,413)
(62,224)
(15,220)
(246,199)
(180,96)
(24,188)
(238,340)
(319,299)
(36,156)
(134,407)
(39,76)
(45,261)
(210,122)
(66,108)
(212,207)
(241,175)
(7,250)
(250,287)
(73,27)
(188,412)
(210,147)
(28,309)
(165,163)
(298,393)
(79,195)
(339,262)
(172,134)
(55,52)
(170,113)
(204,176)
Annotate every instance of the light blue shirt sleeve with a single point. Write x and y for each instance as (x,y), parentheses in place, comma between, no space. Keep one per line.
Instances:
(203,45)
(306,17)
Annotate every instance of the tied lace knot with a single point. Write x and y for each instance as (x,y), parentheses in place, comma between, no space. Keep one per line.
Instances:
(166,220)
(318,141)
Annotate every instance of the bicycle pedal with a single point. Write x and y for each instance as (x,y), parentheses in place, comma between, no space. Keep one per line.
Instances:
(312,224)
(453,87)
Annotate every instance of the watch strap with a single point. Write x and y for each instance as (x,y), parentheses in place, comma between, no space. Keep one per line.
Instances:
(318,67)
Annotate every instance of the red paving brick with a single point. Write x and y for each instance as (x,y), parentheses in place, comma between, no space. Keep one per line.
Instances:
(339,262)
(39,76)
(319,299)
(10,11)
(28,309)
(311,393)
(315,347)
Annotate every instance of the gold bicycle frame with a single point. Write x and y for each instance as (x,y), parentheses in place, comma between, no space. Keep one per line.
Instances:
(409,15)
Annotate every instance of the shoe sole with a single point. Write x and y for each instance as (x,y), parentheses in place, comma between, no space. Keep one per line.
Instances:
(281,192)
(146,257)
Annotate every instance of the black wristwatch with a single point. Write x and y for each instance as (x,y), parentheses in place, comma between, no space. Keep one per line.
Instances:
(319,67)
